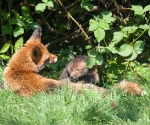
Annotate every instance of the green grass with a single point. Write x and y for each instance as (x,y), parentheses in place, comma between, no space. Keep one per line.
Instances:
(67,108)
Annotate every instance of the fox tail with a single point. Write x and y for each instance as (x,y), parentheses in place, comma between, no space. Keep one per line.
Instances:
(129,87)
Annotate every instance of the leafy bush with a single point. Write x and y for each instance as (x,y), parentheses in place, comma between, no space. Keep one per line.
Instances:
(113,34)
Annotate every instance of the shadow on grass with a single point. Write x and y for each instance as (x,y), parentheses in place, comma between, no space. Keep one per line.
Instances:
(96,115)
(128,108)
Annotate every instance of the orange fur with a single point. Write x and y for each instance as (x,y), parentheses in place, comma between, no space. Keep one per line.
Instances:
(129,87)
(21,74)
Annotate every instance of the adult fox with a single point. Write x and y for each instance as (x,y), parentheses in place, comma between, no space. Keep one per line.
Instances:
(76,71)
(22,76)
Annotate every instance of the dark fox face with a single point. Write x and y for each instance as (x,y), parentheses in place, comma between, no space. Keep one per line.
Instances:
(77,68)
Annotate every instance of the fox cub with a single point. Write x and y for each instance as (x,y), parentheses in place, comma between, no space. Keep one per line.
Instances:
(76,70)
(21,74)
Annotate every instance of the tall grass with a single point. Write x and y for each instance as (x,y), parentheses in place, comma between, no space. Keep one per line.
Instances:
(65,107)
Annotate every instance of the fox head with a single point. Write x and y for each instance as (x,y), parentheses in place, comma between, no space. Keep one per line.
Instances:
(33,56)
(77,67)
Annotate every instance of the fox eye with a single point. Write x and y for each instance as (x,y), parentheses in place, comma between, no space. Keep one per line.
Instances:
(78,70)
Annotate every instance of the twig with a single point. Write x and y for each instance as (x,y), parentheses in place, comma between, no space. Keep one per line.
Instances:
(48,15)
(137,37)
(62,38)
(51,29)
(75,22)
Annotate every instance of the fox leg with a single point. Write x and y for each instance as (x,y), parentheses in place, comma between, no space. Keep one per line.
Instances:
(79,88)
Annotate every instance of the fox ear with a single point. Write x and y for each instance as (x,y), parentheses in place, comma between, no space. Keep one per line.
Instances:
(36,34)
(36,54)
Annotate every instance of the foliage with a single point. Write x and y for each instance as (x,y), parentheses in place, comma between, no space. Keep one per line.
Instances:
(114,34)
(131,48)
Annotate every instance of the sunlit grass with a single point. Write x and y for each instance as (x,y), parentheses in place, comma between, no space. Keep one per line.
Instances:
(65,107)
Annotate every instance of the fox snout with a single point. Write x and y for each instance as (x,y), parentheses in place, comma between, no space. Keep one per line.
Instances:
(53,58)
(74,77)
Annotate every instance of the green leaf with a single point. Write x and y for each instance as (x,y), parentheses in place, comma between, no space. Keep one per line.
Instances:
(99,60)
(125,50)
(110,20)
(107,16)
(91,61)
(147,8)
(117,37)
(7,29)
(29,20)
(5,15)
(125,34)
(25,11)
(5,47)
(149,32)
(4,57)
(99,34)
(13,21)
(18,44)
(104,25)
(15,13)
(127,28)
(138,9)
(21,23)
(103,50)
(88,47)
(40,7)
(87,6)
(17,21)
(93,25)
(137,49)
(112,48)
(130,29)
(86,1)
(33,26)
(92,53)
(133,56)
(45,1)
(145,27)
(50,4)
(18,31)
(138,46)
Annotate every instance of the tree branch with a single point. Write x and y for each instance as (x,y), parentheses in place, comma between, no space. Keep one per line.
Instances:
(51,29)
(62,39)
(69,15)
